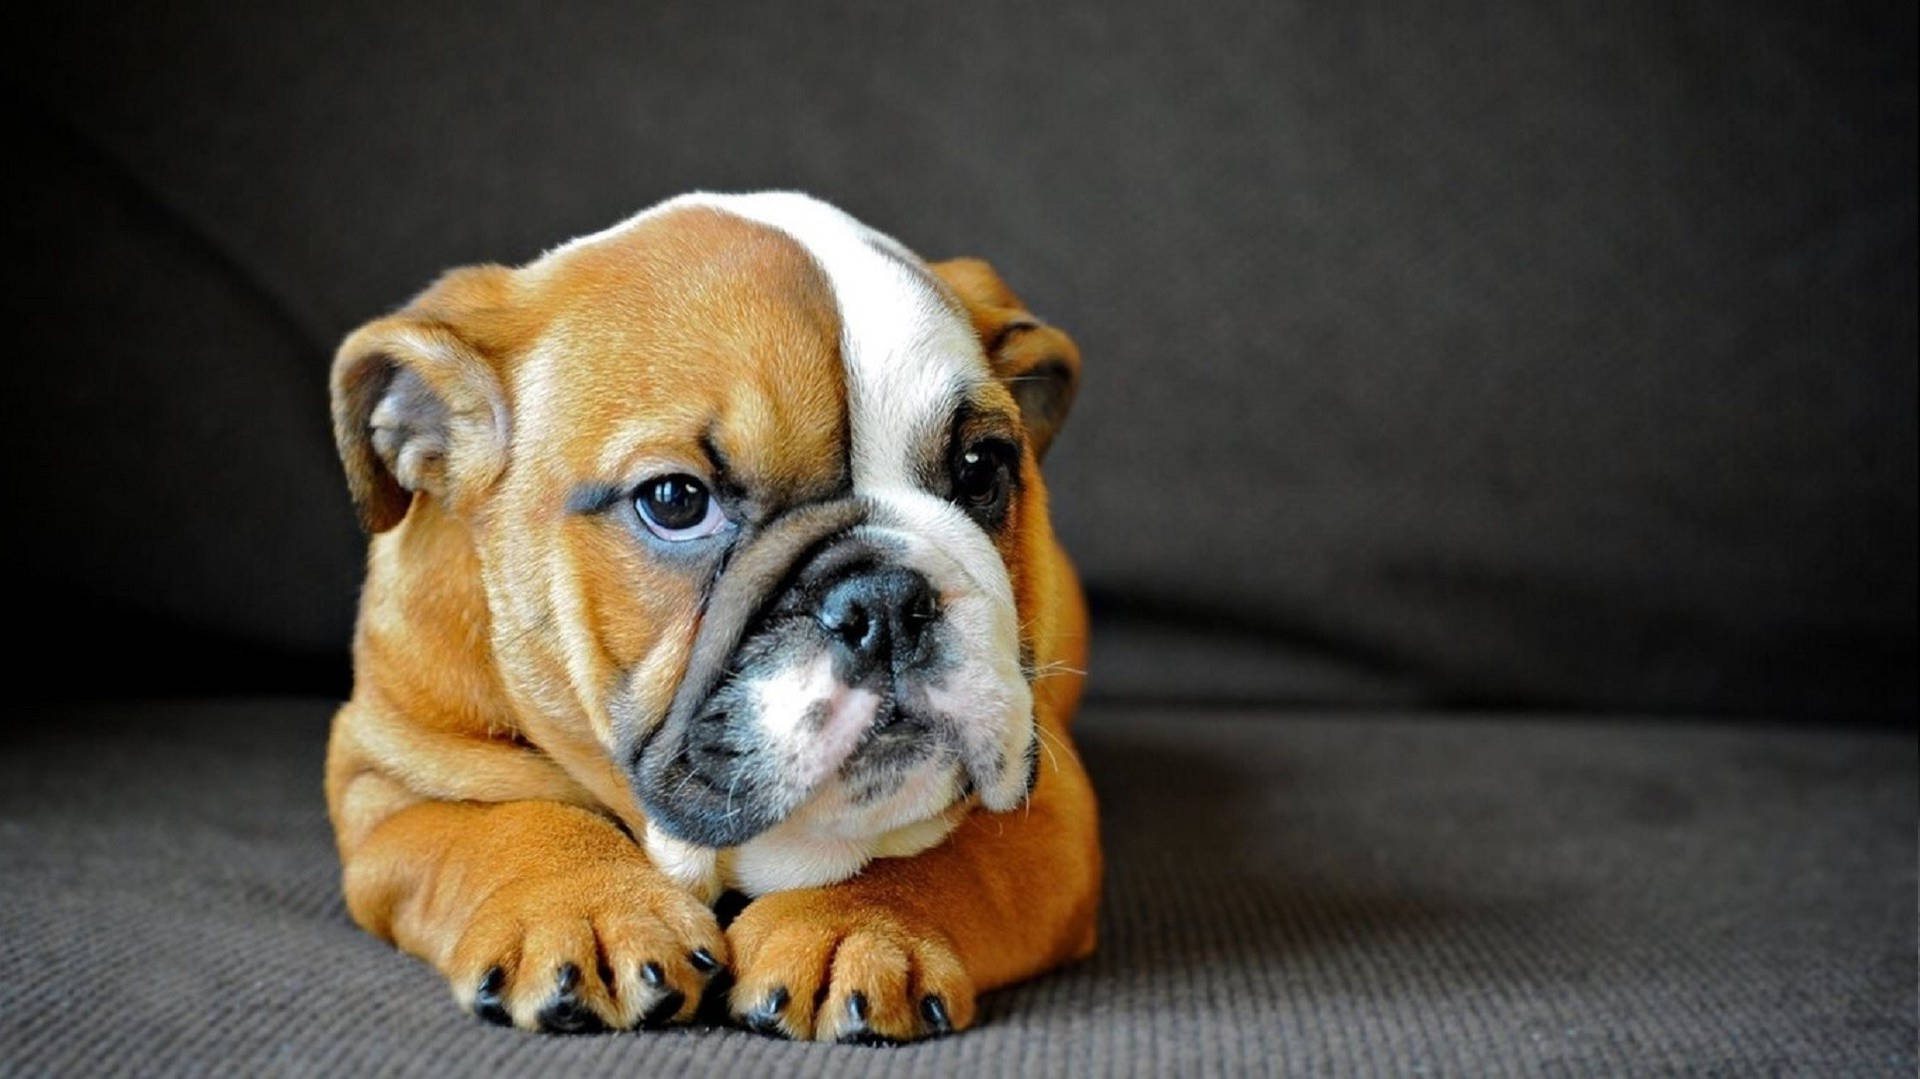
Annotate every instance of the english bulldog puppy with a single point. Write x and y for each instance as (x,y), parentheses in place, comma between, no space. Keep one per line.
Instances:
(710,554)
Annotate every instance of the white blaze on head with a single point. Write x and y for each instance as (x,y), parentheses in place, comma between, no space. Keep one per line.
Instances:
(911,358)
(908,349)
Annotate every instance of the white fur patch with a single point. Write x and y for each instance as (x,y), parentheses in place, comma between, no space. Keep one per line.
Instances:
(811,723)
(695,868)
(830,838)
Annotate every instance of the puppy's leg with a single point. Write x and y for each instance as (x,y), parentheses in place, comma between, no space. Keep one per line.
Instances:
(540,914)
(899,951)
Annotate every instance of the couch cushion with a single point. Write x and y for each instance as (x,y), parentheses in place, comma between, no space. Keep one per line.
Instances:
(1360,893)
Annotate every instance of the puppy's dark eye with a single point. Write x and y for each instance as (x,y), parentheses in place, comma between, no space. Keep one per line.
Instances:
(982,473)
(678,507)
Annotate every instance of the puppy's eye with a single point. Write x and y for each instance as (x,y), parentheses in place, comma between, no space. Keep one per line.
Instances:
(981,475)
(678,507)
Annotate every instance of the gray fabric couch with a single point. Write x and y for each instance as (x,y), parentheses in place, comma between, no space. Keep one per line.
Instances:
(1307,893)
(1494,477)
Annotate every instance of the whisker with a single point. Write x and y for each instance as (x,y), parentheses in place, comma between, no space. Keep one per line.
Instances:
(1052,757)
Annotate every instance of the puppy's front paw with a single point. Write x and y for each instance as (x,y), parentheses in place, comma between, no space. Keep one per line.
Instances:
(827,966)
(607,947)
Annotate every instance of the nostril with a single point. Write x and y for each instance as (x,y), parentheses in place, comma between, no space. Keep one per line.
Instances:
(922,608)
(917,607)
(851,626)
(843,615)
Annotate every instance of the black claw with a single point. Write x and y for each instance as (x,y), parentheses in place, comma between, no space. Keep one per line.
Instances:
(765,1019)
(703,961)
(664,1010)
(858,1032)
(486,999)
(653,975)
(762,1023)
(566,1013)
(866,1036)
(934,1011)
(570,1017)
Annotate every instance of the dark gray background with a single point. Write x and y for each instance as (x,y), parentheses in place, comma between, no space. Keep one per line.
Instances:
(1548,354)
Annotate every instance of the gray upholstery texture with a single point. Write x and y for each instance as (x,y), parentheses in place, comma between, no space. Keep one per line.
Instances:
(1340,894)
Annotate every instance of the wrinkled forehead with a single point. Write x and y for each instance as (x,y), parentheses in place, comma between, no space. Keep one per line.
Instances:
(907,345)
(679,336)
(808,349)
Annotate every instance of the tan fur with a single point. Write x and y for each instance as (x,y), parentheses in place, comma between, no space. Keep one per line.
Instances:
(480,819)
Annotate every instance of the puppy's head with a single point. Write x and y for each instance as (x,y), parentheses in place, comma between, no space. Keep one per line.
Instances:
(755,497)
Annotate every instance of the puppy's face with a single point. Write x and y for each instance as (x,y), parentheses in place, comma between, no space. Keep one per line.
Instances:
(753,491)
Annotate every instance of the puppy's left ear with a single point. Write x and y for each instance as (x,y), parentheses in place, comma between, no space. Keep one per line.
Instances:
(1039,363)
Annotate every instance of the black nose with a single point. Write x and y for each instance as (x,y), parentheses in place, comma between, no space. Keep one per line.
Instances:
(878,618)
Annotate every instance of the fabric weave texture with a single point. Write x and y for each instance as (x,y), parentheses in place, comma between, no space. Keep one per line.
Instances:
(1332,894)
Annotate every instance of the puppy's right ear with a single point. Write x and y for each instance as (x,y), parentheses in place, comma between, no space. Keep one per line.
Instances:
(417,409)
